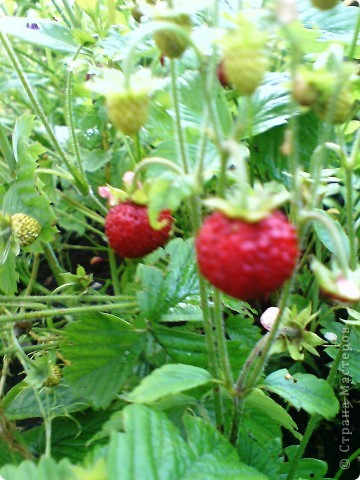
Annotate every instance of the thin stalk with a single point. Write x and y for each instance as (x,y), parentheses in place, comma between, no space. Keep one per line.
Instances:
(350,459)
(208,326)
(80,182)
(111,12)
(114,272)
(349,202)
(83,209)
(317,162)
(265,353)
(53,263)
(221,340)
(64,298)
(155,161)
(250,138)
(69,114)
(355,38)
(334,233)
(181,140)
(125,307)
(34,274)
(314,420)
(212,358)
(70,12)
(6,360)
(61,13)
(80,222)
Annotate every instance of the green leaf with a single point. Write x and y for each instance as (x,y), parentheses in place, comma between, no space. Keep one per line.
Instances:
(102,349)
(8,274)
(152,449)
(304,391)
(168,380)
(215,456)
(326,239)
(45,469)
(269,104)
(70,435)
(25,195)
(23,401)
(257,400)
(350,362)
(265,457)
(307,468)
(334,25)
(183,347)
(162,290)
(50,34)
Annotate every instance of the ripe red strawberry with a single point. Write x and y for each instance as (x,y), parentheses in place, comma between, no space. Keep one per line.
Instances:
(129,232)
(247,260)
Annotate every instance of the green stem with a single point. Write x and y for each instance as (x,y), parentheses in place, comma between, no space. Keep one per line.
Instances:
(70,12)
(355,38)
(181,140)
(53,263)
(125,307)
(80,182)
(212,359)
(114,272)
(250,138)
(64,298)
(221,340)
(317,162)
(333,232)
(111,12)
(350,459)
(273,334)
(61,13)
(83,209)
(69,114)
(349,202)
(154,161)
(314,420)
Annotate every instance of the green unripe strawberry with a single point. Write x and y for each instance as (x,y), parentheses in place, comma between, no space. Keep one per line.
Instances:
(128,110)
(25,228)
(335,110)
(244,59)
(54,377)
(324,4)
(173,44)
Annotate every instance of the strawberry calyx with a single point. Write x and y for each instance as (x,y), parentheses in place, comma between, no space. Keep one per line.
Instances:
(293,335)
(251,205)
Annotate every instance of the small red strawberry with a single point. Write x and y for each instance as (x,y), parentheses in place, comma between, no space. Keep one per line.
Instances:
(129,232)
(247,260)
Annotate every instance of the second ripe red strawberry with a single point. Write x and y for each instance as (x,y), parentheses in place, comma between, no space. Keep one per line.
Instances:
(129,232)
(247,260)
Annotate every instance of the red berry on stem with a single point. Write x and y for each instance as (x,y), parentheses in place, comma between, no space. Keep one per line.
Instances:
(247,260)
(129,232)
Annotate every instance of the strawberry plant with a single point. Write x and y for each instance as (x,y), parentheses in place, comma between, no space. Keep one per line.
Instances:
(179,240)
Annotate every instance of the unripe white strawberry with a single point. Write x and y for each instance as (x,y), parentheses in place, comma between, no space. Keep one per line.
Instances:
(244,58)
(324,4)
(128,110)
(25,228)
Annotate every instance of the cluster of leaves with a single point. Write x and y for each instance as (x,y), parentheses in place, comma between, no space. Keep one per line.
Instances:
(133,394)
